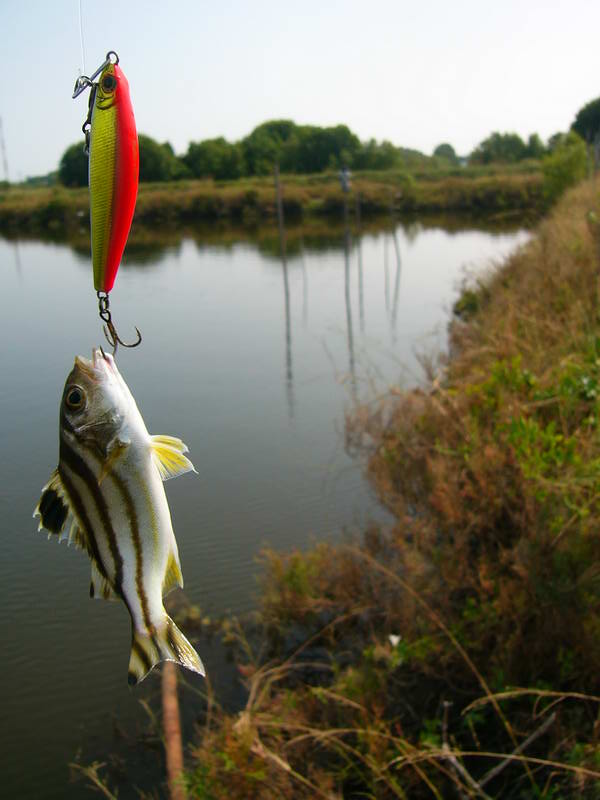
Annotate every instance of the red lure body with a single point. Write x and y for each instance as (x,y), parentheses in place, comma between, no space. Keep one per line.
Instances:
(113,174)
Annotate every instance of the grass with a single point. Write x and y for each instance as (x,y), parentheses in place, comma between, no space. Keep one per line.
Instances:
(252,201)
(456,654)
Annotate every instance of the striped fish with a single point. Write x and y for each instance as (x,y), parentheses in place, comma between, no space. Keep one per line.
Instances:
(107,497)
(113,173)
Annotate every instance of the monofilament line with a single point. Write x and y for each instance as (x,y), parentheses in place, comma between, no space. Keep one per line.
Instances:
(82,71)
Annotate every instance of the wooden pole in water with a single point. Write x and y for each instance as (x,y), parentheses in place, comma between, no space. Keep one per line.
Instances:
(172,731)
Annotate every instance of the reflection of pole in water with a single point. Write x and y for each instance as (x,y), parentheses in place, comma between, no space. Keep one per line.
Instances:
(3,149)
(397,278)
(304,284)
(386,274)
(349,309)
(286,293)
(18,259)
(396,285)
(345,184)
(361,296)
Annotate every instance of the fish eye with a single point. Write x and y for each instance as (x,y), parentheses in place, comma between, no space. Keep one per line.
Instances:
(109,82)
(75,398)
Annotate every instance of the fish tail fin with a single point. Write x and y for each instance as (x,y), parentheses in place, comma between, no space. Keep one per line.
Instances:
(168,644)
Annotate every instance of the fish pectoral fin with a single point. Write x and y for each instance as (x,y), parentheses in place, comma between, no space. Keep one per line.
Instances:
(168,644)
(53,507)
(100,587)
(168,454)
(116,450)
(173,576)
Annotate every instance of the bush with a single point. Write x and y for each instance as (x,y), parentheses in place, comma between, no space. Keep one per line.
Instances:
(565,166)
(73,167)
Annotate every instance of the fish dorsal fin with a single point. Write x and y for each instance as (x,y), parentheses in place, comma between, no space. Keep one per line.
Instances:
(53,507)
(168,454)
(173,576)
(100,588)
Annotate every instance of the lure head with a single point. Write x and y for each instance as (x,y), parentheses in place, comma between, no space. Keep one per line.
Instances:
(111,85)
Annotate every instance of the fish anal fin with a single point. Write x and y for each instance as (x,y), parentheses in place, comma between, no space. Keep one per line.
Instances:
(53,507)
(173,576)
(166,644)
(169,456)
(100,587)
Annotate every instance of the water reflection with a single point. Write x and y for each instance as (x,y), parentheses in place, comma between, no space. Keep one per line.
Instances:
(348,303)
(289,378)
(396,284)
(243,332)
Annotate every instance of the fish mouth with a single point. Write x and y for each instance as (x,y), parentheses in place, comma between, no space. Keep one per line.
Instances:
(100,363)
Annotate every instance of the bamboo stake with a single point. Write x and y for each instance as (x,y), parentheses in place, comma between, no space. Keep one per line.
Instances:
(172,731)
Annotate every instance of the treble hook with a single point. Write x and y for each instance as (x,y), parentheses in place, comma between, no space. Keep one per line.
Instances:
(109,328)
(82,82)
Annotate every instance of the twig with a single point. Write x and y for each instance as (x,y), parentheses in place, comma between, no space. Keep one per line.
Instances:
(536,734)
(91,773)
(457,766)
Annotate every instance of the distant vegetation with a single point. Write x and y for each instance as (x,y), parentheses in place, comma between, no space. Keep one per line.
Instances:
(298,149)
(217,179)
(311,149)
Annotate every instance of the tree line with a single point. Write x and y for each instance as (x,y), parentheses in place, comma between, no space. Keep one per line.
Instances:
(308,149)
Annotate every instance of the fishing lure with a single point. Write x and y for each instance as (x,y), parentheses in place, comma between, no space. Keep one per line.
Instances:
(112,147)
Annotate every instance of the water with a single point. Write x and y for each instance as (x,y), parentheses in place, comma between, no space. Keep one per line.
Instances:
(253,364)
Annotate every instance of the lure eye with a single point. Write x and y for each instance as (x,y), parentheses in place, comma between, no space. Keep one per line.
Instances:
(109,82)
(75,399)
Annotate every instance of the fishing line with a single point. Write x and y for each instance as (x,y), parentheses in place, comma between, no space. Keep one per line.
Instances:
(82,70)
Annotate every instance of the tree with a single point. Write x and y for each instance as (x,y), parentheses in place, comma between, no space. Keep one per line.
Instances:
(158,162)
(446,151)
(587,121)
(374,155)
(554,141)
(315,149)
(215,158)
(73,167)
(263,147)
(535,147)
(504,148)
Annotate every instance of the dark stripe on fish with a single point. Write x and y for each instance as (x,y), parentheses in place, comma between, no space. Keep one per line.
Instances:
(83,519)
(137,544)
(77,465)
(142,654)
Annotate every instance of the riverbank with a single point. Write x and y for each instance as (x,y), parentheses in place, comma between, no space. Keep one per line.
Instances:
(252,201)
(458,652)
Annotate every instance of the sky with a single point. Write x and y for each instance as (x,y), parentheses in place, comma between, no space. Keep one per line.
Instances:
(414,73)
